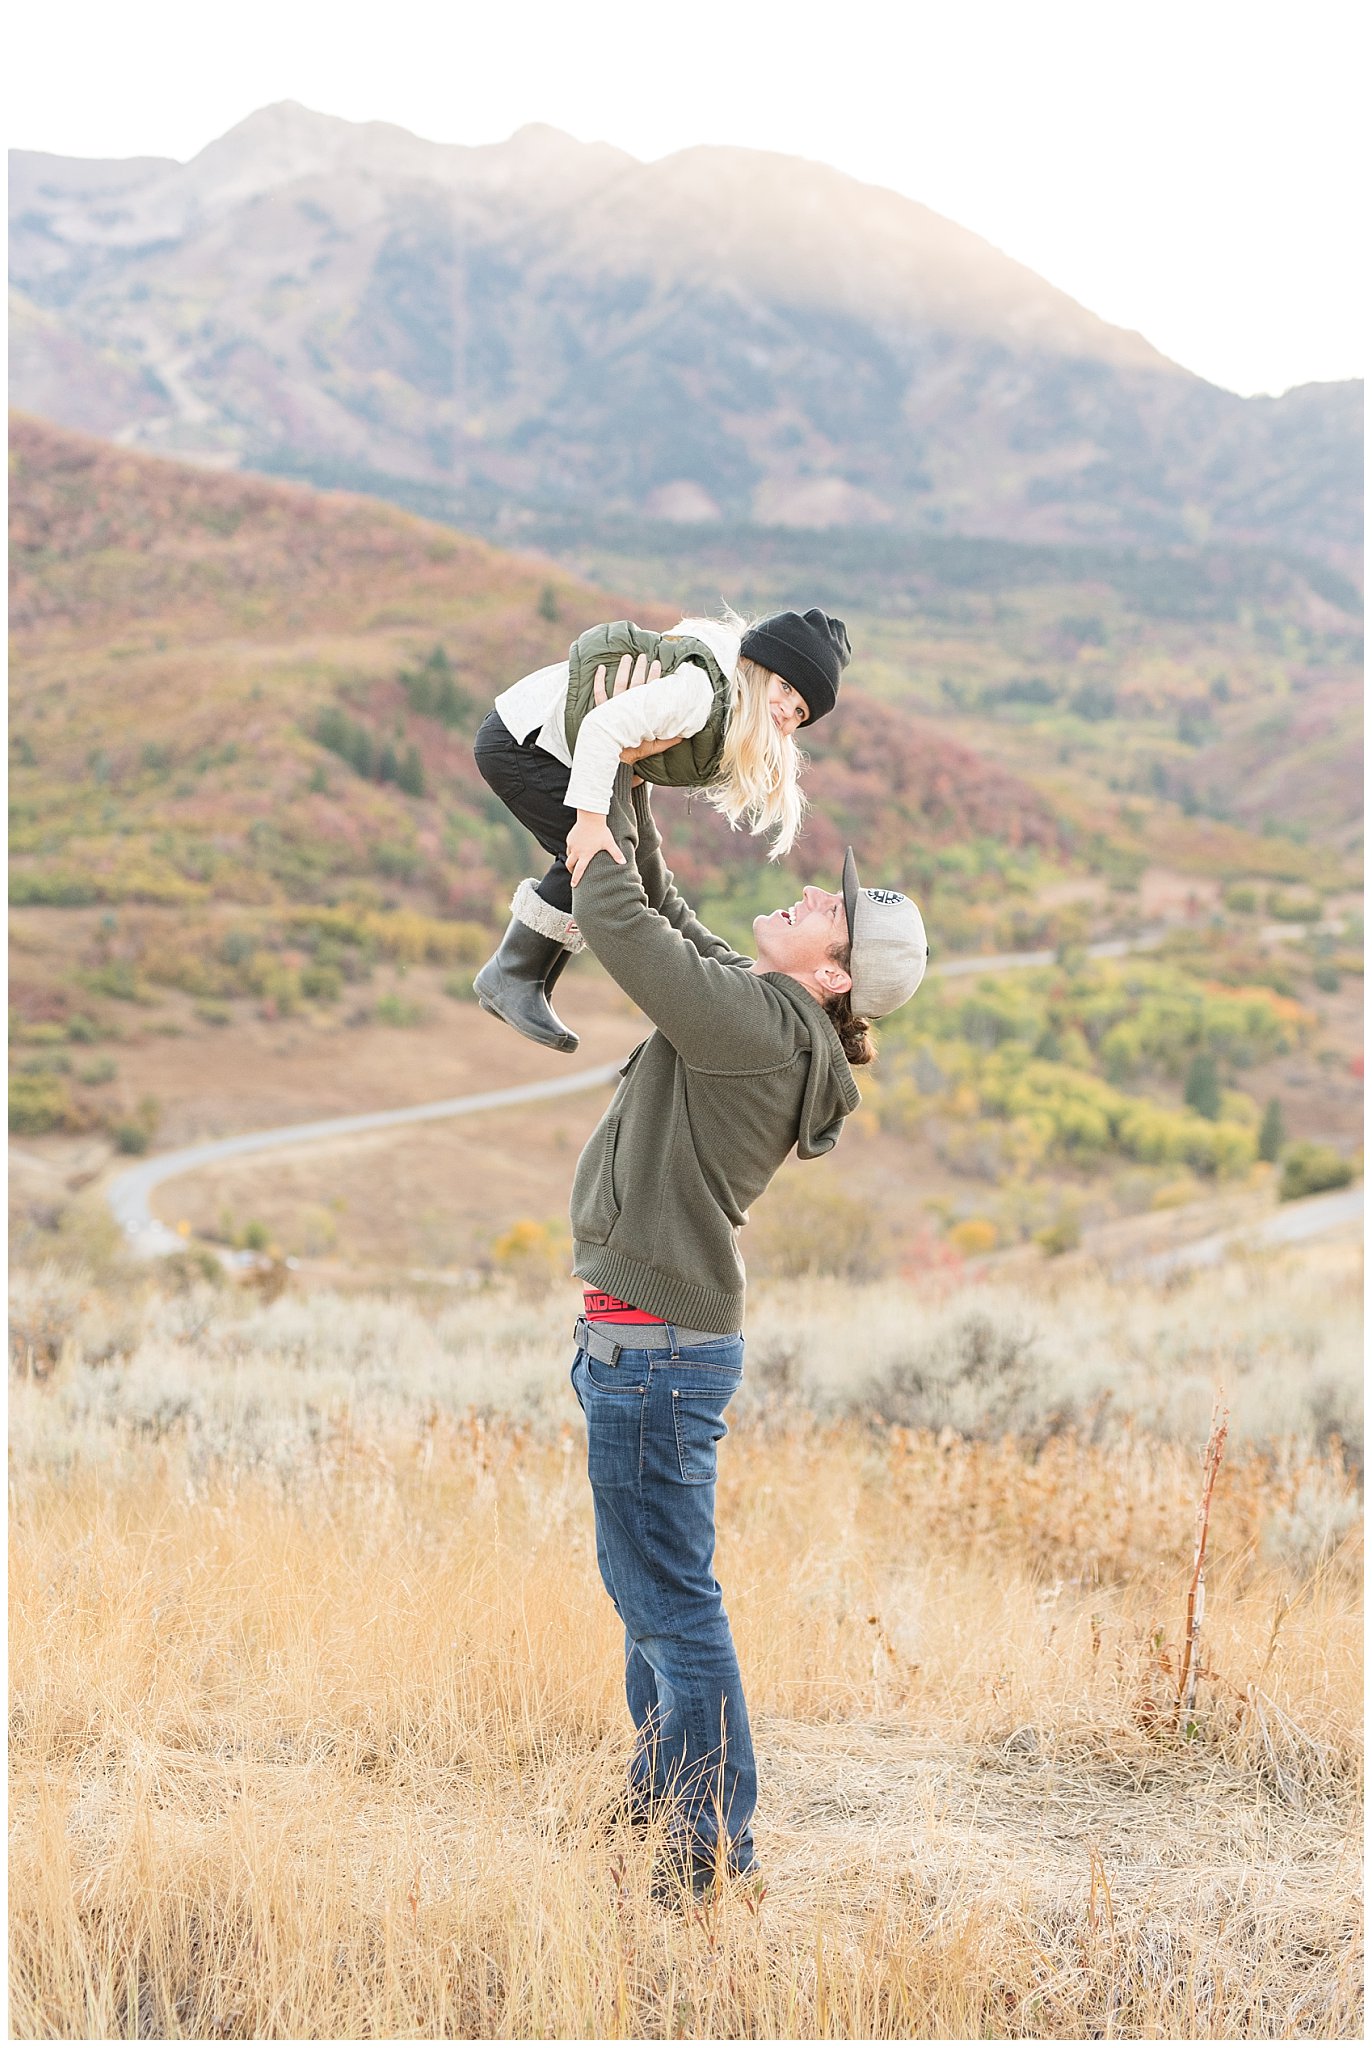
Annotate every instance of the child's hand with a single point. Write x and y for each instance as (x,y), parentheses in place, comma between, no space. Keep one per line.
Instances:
(589,836)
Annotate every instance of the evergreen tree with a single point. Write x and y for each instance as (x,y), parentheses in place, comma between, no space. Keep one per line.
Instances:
(1203,1086)
(359,749)
(1272,1136)
(433,691)
(419,689)
(410,774)
(331,731)
(452,703)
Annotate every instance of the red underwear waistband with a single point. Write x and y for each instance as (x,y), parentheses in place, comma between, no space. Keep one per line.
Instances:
(606,1308)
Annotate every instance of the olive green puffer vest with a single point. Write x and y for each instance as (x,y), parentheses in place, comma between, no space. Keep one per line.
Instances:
(691,762)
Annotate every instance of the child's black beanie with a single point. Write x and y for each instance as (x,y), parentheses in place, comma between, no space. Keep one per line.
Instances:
(808,650)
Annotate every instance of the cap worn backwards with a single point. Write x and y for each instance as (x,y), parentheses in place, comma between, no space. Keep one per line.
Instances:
(888,949)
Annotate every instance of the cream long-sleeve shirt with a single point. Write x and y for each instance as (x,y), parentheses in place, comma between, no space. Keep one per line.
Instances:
(675,706)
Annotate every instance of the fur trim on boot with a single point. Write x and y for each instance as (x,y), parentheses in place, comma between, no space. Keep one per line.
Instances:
(544,918)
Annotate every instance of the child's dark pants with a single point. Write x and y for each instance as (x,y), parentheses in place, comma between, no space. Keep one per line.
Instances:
(532,785)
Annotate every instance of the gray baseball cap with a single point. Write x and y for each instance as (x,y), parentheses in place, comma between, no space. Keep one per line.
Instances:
(889,948)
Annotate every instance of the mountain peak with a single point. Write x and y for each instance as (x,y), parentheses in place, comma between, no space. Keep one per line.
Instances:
(272,146)
(532,322)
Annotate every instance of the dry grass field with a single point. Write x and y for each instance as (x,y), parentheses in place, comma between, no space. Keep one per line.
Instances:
(316,1721)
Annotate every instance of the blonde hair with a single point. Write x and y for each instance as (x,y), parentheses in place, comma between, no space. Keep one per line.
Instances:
(759,776)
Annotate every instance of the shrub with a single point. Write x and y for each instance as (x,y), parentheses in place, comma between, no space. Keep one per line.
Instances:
(178,966)
(1241,897)
(402,935)
(321,983)
(277,984)
(45,1310)
(1238,1108)
(1062,1235)
(38,1103)
(1094,701)
(47,1063)
(1327,978)
(185,1272)
(118,978)
(135,1133)
(1294,909)
(973,1237)
(52,885)
(36,1034)
(534,1255)
(82,1030)
(460,987)
(98,1073)
(1310,1169)
(398,1011)
(397,862)
(979,1374)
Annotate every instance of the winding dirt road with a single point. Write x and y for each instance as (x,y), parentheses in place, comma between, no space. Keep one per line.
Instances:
(128,1193)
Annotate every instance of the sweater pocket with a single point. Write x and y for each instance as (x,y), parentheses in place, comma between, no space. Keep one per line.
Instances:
(595,1197)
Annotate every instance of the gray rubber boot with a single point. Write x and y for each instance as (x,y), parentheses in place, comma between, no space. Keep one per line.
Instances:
(513,984)
(550,979)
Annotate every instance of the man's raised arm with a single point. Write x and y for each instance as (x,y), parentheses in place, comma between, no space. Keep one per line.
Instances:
(663,895)
(715,1016)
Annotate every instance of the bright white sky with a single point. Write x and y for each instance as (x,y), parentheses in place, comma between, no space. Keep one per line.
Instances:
(1185,167)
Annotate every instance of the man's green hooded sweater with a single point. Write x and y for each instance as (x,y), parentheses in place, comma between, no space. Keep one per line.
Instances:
(742,1068)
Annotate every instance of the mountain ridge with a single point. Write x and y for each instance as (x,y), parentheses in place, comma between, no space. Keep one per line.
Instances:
(721,333)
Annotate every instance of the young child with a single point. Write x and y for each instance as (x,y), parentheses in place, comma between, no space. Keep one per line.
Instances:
(718,711)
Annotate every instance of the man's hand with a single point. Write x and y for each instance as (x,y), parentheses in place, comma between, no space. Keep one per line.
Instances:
(589,836)
(628,676)
(630,756)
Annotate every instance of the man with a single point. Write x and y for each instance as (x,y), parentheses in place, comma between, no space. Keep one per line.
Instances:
(749,1059)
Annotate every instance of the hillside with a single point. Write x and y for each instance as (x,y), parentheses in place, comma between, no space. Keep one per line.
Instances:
(1197,710)
(542,324)
(230,691)
(253,867)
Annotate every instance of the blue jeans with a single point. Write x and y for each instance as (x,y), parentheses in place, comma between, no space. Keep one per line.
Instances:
(653,1420)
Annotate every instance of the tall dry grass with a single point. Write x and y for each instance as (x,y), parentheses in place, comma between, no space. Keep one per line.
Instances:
(317,1728)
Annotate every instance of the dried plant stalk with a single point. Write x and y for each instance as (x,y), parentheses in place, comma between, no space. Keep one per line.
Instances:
(1189,1674)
